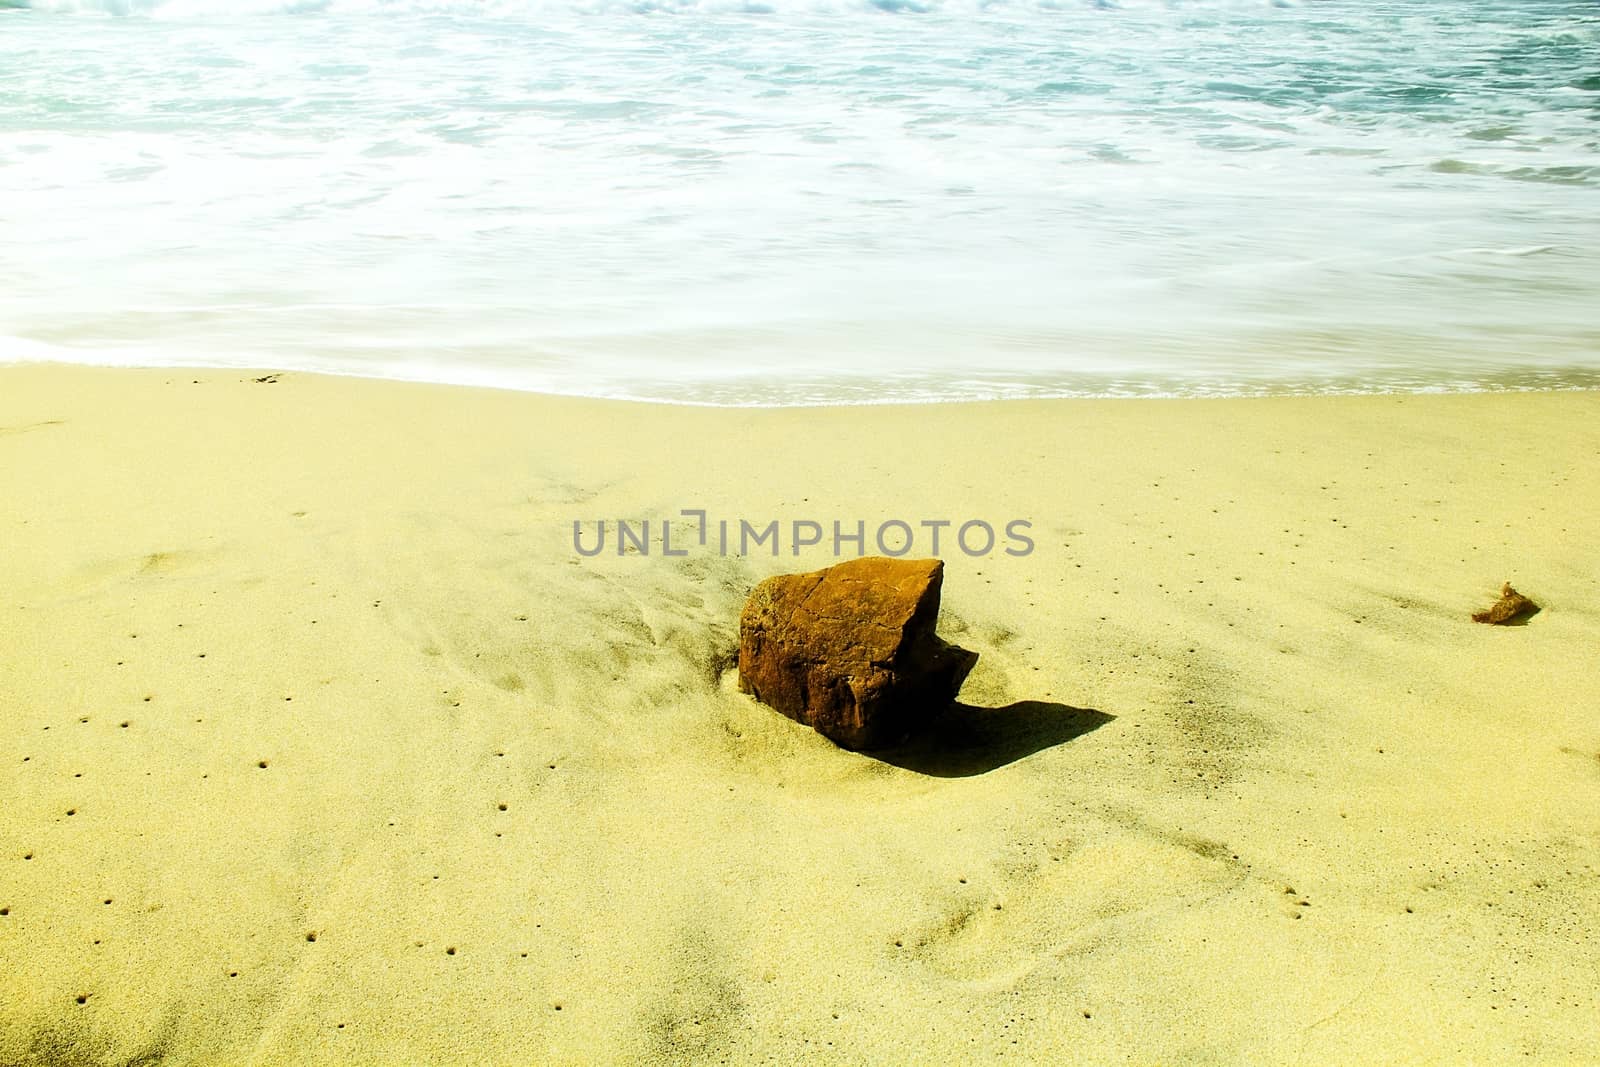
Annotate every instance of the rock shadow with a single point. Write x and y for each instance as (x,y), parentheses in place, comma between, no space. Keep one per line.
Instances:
(965,740)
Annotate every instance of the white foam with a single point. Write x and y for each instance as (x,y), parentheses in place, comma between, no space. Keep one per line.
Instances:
(991,199)
(181,9)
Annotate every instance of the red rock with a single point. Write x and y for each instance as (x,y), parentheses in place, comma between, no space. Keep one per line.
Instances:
(1511,606)
(850,649)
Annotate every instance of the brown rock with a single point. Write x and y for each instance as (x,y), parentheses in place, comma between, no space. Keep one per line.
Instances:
(1511,606)
(850,649)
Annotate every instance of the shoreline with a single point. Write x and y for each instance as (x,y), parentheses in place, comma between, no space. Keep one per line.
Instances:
(321,744)
(1513,381)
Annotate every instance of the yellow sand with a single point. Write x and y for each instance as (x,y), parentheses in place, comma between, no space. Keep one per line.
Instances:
(1262,792)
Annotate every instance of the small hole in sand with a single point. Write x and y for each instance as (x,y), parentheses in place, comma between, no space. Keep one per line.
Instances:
(501,807)
(72,811)
(107,900)
(451,951)
(341,1026)
(125,724)
(7,911)
(262,764)
(312,936)
(556,1006)
(84,719)
(233,974)
(83,999)
(27,855)
(148,699)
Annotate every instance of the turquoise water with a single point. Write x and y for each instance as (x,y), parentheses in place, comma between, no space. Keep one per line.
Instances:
(795,201)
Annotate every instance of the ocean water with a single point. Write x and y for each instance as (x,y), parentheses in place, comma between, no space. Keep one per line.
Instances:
(799,201)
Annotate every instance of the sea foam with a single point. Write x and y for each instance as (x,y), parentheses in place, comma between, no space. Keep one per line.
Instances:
(804,200)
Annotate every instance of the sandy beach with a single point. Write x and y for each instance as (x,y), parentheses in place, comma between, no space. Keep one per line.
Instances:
(321,743)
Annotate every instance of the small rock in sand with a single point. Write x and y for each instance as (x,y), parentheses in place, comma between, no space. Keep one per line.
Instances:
(850,650)
(1511,606)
